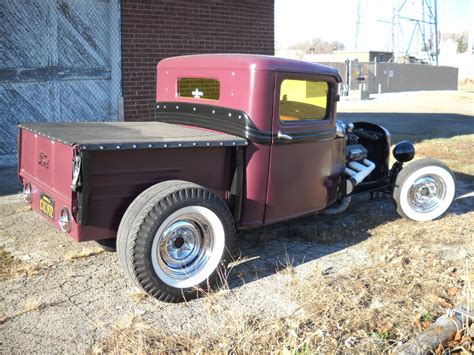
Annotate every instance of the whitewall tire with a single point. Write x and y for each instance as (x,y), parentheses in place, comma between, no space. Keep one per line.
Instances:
(175,240)
(424,190)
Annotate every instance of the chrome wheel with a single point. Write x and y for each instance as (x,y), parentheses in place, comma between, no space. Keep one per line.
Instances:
(427,193)
(188,246)
(184,246)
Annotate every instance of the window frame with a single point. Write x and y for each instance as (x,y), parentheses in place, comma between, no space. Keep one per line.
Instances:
(327,108)
(332,87)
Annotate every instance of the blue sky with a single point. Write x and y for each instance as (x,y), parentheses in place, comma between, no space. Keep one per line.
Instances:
(299,20)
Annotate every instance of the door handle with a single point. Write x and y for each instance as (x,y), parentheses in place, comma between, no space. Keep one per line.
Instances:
(284,136)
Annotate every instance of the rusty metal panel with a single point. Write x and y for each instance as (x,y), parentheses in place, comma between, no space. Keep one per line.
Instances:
(59,61)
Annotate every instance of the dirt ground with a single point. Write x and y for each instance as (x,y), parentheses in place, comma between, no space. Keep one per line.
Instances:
(349,282)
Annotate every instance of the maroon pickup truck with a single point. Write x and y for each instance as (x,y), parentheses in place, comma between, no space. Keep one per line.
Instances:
(238,141)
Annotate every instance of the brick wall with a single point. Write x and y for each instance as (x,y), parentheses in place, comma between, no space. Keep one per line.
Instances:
(153,30)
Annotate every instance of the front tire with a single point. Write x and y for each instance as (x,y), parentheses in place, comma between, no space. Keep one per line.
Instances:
(424,190)
(174,240)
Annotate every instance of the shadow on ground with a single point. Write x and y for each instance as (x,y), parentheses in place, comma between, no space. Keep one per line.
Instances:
(267,250)
(416,127)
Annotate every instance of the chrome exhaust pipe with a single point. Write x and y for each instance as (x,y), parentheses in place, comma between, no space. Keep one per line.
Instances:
(357,172)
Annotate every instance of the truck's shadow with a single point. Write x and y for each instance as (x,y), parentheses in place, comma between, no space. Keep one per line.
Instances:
(268,250)
(416,127)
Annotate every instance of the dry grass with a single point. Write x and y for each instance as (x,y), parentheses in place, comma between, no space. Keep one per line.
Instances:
(84,253)
(138,295)
(413,275)
(11,267)
(466,85)
(407,285)
(457,152)
(30,305)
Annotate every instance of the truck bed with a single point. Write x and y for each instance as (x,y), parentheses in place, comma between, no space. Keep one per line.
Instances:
(131,135)
(115,162)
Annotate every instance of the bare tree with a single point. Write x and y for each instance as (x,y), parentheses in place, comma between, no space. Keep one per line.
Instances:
(318,45)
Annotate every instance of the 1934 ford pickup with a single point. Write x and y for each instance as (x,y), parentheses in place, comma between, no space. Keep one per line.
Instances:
(238,141)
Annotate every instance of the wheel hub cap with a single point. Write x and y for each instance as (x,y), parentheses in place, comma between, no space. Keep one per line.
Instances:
(185,246)
(427,193)
(180,243)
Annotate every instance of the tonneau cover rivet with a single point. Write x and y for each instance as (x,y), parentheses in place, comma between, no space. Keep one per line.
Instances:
(134,146)
(101,147)
(149,145)
(165,145)
(118,147)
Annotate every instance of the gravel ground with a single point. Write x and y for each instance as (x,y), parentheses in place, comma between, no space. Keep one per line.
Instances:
(67,305)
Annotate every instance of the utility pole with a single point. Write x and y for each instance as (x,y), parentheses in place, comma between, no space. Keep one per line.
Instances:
(394,30)
(436,29)
(357,30)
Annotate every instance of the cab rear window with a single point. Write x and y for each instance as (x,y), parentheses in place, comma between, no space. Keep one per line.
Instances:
(303,100)
(199,88)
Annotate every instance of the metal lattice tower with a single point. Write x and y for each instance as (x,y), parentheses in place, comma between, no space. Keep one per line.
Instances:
(415,30)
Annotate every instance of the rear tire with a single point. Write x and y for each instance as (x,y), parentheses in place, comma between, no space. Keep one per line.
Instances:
(424,190)
(174,240)
(109,245)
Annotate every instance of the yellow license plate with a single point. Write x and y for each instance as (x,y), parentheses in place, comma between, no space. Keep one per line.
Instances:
(46,205)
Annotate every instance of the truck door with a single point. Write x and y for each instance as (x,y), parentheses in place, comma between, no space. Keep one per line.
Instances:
(305,158)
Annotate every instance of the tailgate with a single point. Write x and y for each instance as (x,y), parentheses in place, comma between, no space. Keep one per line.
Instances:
(47,165)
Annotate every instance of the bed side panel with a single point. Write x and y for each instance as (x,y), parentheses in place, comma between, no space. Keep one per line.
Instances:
(116,178)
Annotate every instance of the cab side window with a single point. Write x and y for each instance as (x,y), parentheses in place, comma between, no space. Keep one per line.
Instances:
(199,88)
(303,100)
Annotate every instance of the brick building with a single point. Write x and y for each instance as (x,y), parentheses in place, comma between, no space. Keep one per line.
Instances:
(153,30)
(76,60)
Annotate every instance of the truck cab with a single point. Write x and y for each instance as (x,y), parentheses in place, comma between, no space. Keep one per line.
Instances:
(286,110)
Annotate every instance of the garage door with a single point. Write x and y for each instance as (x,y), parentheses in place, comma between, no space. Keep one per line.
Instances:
(59,61)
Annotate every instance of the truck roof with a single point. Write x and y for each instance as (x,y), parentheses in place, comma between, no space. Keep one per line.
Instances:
(246,62)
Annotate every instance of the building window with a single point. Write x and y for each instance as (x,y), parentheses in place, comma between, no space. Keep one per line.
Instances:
(303,100)
(199,88)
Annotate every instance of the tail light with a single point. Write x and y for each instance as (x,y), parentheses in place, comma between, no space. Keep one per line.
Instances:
(65,220)
(27,193)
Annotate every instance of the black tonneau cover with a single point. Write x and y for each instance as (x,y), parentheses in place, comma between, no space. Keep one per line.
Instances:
(131,135)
